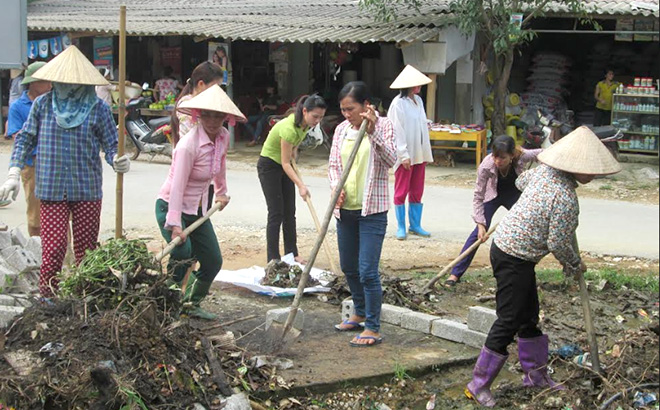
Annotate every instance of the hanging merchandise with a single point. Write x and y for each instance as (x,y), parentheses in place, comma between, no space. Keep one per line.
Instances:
(103,52)
(33,49)
(66,41)
(43,48)
(55,45)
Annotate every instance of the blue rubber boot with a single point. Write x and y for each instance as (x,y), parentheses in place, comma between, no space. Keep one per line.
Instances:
(401,221)
(415,216)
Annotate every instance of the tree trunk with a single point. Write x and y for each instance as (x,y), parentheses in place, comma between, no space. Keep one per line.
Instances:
(503,70)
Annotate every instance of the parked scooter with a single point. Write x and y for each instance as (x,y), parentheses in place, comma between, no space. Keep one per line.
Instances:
(150,137)
(544,130)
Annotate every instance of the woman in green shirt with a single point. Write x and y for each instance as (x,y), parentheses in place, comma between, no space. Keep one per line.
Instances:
(278,178)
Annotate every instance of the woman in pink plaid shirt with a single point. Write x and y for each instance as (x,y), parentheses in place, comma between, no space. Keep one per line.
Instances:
(361,210)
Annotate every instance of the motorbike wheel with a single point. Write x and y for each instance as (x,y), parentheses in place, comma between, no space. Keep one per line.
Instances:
(131,149)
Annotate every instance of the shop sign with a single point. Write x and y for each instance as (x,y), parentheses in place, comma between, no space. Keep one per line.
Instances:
(643,25)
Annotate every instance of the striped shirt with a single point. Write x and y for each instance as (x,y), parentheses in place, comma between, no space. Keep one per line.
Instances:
(376,197)
(543,220)
(68,165)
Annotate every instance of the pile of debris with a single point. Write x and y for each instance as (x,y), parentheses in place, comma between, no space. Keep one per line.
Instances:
(114,339)
(283,275)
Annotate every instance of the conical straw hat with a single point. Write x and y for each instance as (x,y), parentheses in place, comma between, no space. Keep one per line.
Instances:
(410,77)
(212,99)
(71,67)
(580,152)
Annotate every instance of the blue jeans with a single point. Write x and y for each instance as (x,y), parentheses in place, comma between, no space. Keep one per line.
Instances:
(259,120)
(360,241)
(490,207)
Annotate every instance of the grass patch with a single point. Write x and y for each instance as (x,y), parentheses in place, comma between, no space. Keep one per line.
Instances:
(606,187)
(647,282)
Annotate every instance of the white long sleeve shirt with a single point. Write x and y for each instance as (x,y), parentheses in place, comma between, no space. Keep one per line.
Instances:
(410,130)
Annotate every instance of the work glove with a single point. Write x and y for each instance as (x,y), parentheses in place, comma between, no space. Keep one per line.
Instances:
(121,164)
(11,185)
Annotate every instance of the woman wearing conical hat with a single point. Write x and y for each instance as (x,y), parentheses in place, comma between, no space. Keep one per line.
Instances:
(198,159)
(543,221)
(68,126)
(413,144)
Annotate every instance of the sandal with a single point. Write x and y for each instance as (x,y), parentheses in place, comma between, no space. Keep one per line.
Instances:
(450,283)
(376,341)
(353,326)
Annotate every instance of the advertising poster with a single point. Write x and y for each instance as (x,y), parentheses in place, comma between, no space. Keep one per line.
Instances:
(219,54)
(103,52)
(43,48)
(55,45)
(624,24)
(643,25)
(171,56)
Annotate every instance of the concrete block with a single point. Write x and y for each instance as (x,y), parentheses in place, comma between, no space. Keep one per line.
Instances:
(392,314)
(347,309)
(20,259)
(417,321)
(17,238)
(450,330)
(481,319)
(474,338)
(8,313)
(238,401)
(14,300)
(280,315)
(26,283)
(5,240)
(34,246)
(7,276)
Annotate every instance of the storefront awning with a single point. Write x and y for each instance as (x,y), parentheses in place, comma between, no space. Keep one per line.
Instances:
(258,20)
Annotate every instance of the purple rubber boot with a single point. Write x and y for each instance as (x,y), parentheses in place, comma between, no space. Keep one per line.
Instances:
(533,356)
(487,368)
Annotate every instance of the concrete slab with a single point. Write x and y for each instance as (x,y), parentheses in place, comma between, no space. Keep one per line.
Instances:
(393,314)
(420,322)
(17,238)
(481,318)
(8,313)
(449,329)
(280,316)
(5,240)
(322,357)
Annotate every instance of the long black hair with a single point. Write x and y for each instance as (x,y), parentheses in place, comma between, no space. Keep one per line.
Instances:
(206,72)
(357,90)
(309,103)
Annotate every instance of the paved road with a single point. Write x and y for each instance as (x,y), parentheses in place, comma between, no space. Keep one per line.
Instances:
(609,227)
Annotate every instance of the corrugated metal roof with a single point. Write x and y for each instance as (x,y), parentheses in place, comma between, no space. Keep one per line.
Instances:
(261,20)
(272,20)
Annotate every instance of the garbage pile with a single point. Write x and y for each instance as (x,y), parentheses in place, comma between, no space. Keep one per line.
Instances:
(114,339)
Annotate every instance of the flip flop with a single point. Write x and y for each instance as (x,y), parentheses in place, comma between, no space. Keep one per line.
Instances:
(4,203)
(377,341)
(354,326)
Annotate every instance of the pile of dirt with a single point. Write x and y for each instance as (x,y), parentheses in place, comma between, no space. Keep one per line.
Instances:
(115,339)
(283,275)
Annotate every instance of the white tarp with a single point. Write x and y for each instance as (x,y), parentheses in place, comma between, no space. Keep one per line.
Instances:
(250,278)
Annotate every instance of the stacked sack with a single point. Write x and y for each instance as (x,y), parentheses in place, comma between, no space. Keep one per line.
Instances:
(548,83)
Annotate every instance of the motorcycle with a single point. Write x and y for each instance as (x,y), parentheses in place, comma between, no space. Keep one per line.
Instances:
(151,137)
(544,130)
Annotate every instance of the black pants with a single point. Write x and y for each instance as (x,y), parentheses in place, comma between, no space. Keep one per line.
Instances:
(602,117)
(280,194)
(517,300)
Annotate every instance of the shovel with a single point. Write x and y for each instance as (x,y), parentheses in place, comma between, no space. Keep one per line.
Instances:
(315,217)
(588,319)
(319,240)
(176,241)
(460,257)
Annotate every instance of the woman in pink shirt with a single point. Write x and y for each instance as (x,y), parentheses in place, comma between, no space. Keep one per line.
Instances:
(198,159)
(495,187)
